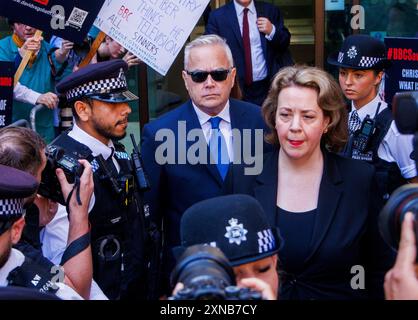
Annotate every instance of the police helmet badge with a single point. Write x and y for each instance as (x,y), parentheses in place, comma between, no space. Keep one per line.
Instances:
(235,232)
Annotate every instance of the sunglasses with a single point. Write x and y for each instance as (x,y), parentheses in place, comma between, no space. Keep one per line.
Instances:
(201,76)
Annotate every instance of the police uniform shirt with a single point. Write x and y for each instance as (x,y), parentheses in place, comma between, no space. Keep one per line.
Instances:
(224,126)
(16,259)
(395,147)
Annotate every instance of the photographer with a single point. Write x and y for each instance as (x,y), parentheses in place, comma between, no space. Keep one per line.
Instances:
(24,149)
(237,225)
(15,268)
(401,282)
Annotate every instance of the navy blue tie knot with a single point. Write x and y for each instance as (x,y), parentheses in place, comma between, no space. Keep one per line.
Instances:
(215,121)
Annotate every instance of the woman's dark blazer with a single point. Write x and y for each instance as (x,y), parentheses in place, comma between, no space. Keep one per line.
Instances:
(345,233)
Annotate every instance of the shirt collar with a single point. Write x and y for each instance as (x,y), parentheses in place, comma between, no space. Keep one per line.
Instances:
(239,8)
(204,117)
(96,146)
(370,108)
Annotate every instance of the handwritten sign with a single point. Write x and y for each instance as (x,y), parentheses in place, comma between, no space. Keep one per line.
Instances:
(154,30)
(403,74)
(6,92)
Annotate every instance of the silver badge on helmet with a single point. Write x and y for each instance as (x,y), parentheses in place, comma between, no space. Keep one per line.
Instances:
(352,52)
(235,232)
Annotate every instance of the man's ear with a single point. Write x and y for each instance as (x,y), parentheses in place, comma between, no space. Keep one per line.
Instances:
(233,75)
(16,230)
(184,75)
(83,110)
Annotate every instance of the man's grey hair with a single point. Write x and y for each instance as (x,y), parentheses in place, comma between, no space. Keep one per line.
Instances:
(207,40)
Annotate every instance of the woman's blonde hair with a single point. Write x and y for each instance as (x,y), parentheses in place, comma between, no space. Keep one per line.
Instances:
(330,100)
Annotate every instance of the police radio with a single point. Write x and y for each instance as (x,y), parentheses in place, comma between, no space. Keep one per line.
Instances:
(364,135)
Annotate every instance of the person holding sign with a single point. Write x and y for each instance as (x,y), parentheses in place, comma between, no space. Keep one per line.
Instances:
(37,75)
(258,39)
(111,49)
(374,136)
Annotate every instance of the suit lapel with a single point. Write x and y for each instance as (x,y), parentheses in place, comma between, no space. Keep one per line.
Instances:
(231,16)
(330,193)
(265,190)
(192,122)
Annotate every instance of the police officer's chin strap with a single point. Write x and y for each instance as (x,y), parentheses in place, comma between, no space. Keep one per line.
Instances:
(81,243)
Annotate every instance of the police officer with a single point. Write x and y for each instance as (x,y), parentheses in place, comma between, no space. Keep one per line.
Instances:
(16,269)
(238,226)
(373,133)
(99,95)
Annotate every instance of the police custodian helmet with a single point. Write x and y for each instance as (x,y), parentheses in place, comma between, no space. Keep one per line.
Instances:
(236,224)
(361,52)
(15,186)
(104,81)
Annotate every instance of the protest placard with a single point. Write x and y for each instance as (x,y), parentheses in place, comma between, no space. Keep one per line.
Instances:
(6,92)
(403,74)
(68,19)
(154,30)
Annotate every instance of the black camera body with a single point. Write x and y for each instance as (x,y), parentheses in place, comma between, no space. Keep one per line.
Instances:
(405,198)
(57,158)
(207,275)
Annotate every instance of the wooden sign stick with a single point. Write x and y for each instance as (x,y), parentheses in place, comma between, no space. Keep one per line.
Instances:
(96,43)
(25,60)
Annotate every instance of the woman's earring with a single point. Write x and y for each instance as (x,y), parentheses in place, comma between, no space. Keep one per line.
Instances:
(326,130)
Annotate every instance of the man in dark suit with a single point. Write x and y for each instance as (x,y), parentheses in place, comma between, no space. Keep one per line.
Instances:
(190,153)
(258,40)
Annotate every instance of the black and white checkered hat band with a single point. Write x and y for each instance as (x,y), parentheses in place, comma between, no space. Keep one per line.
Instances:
(368,62)
(97,87)
(266,241)
(10,207)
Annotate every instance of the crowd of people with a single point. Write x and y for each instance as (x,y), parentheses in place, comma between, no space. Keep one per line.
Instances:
(285,181)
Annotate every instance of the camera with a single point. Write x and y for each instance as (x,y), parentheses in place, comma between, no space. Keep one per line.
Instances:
(405,198)
(207,275)
(57,158)
(405,112)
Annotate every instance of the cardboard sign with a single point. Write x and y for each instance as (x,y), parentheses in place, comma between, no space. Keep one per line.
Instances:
(403,74)
(68,19)
(6,92)
(154,30)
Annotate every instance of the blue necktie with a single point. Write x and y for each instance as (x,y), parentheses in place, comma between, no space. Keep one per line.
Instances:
(217,146)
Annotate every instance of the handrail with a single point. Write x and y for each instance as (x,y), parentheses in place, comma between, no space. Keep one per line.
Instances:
(32,115)
(20,123)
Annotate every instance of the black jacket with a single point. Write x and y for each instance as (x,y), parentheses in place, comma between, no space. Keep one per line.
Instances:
(345,232)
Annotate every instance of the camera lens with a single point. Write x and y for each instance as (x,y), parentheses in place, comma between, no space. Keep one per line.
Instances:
(403,200)
(205,271)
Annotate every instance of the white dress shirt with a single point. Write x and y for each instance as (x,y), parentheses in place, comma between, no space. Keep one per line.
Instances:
(257,56)
(395,147)
(16,259)
(224,126)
